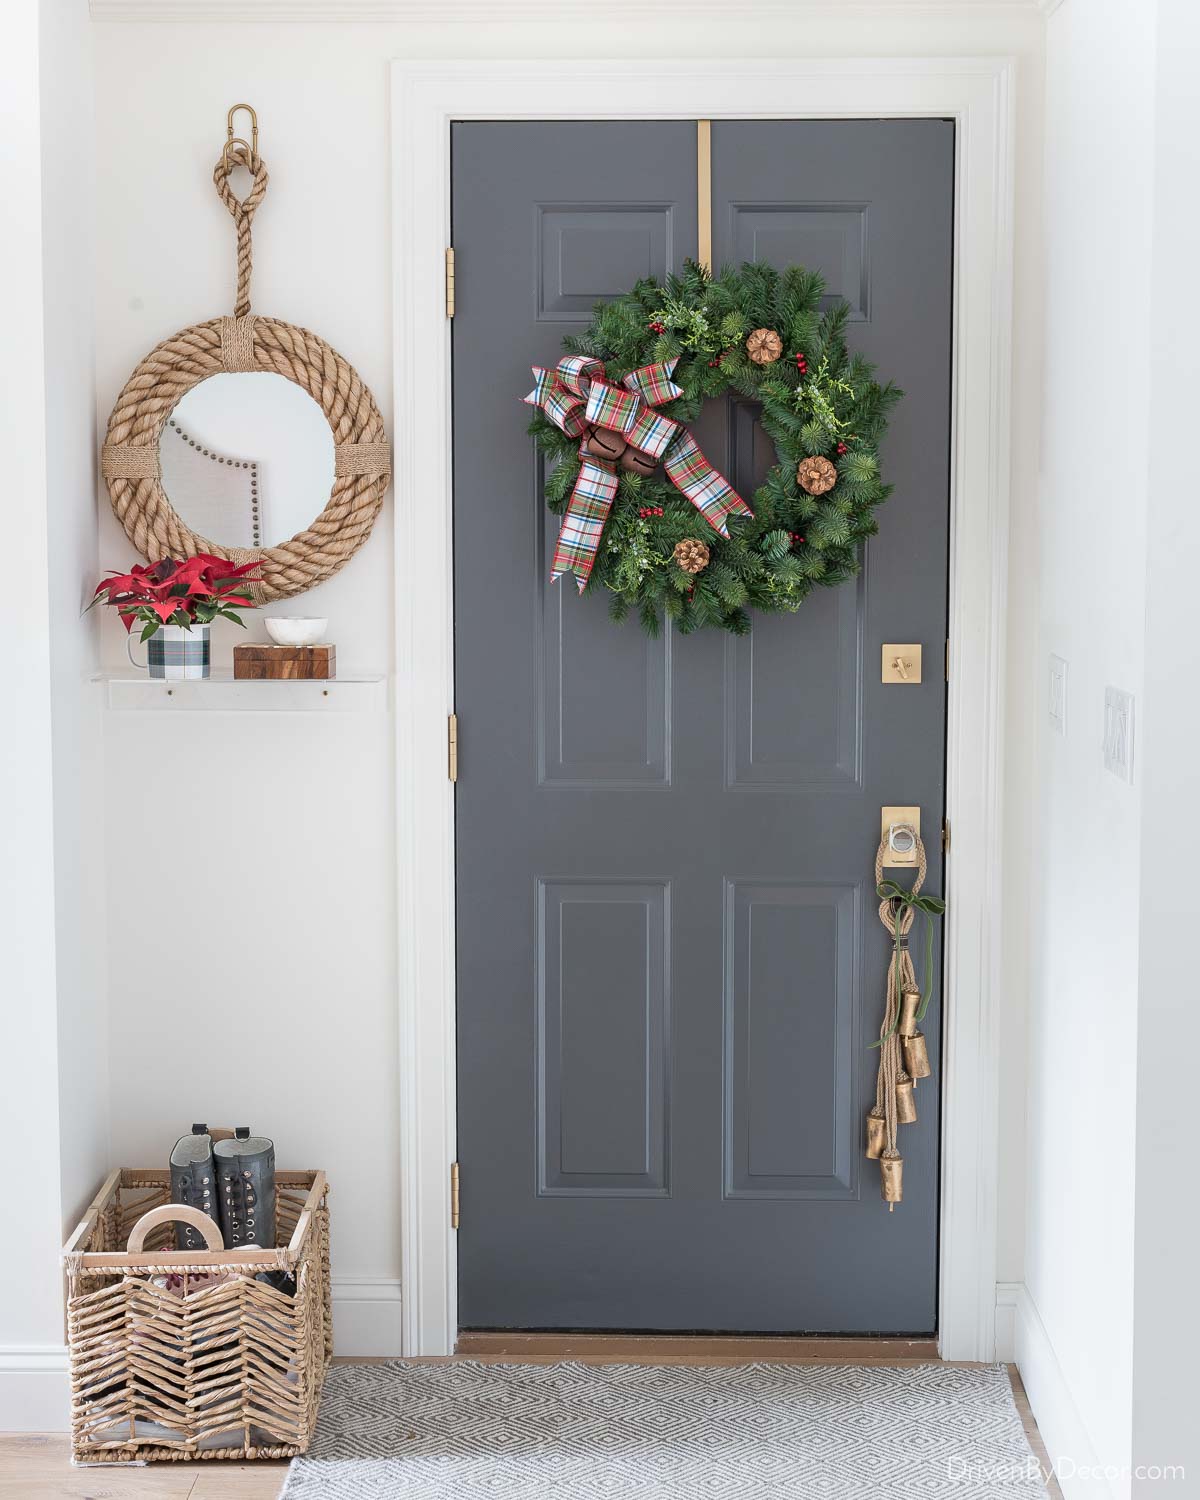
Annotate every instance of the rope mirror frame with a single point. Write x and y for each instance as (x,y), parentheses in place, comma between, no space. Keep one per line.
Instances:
(244,342)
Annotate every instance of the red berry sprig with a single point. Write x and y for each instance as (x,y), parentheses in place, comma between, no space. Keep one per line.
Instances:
(713,363)
(795,536)
(657,327)
(646,511)
(842,448)
(802,364)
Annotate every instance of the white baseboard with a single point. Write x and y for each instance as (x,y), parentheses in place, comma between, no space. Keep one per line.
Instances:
(34,1388)
(1021,1338)
(1008,1294)
(366,1317)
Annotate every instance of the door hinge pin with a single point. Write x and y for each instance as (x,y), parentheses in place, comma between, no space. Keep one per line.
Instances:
(452,747)
(449,281)
(454,1201)
(946,836)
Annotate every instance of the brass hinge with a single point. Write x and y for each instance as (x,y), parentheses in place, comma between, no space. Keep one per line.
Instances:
(452,747)
(453,1195)
(945,835)
(449,281)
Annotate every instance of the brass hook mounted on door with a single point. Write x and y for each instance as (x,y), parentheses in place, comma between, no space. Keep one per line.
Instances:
(236,140)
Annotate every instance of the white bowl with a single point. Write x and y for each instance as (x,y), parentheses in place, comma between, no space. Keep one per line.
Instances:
(295,630)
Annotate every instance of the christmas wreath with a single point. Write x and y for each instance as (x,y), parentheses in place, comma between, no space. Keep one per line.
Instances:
(645,515)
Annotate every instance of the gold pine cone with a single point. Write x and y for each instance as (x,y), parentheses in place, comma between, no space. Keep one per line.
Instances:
(764,346)
(816,475)
(691,555)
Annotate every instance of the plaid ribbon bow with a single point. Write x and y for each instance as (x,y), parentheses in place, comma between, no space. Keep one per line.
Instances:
(576,397)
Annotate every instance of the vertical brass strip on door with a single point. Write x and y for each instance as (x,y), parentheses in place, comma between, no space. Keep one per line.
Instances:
(704,192)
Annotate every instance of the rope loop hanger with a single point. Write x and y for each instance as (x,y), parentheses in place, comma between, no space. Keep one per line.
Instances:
(237,152)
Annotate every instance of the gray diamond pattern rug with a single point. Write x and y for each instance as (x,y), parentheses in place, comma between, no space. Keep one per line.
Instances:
(402,1431)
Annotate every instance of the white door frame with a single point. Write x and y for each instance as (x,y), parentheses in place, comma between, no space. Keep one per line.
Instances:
(426,98)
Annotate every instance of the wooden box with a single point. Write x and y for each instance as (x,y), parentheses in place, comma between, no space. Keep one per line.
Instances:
(284,662)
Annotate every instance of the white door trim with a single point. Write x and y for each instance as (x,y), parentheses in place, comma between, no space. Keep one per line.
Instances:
(426,97)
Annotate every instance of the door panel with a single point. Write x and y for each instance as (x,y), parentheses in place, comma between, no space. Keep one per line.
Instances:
(602,1075)
(828,237)
(785,1141)
(669,963)
(590,251)
(603,704)
(772,737)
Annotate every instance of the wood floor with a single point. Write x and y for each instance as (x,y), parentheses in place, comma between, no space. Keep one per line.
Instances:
(37,1466)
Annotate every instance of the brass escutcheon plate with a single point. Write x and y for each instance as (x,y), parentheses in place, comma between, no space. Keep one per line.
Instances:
(889,817)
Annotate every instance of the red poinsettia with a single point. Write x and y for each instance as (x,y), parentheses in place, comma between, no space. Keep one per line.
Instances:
(194,591)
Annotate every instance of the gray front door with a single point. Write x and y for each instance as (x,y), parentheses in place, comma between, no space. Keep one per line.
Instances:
(670,966)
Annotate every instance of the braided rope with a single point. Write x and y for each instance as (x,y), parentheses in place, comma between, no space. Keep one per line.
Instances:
(169,371)
(194,354)
(238,154)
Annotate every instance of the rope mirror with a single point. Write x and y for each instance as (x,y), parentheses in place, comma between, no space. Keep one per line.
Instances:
(130,460)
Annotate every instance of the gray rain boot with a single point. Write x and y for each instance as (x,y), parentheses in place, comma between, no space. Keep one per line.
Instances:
(194,1182)
(246,1179)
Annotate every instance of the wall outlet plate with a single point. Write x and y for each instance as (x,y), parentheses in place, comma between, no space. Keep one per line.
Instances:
(1057,699)
(1118,733)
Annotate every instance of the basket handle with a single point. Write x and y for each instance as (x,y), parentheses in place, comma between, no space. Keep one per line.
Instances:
(170,1213)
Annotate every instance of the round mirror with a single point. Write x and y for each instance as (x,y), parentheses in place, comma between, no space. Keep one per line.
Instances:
(247,459)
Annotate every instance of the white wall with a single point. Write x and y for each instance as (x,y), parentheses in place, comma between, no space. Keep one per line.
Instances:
(68,214)
(257,985)
(1165,1313)
(314,794)
(1105,1333)
(53,1105)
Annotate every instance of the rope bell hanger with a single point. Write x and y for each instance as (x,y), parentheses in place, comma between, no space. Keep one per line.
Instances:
(903,1055)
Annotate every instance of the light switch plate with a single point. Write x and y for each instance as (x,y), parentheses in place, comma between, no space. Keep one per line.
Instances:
(1057,701)
(1118,732)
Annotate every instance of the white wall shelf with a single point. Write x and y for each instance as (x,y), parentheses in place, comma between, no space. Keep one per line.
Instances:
(222,693)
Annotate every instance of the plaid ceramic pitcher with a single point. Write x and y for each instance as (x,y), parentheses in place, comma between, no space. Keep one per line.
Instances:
(175,652)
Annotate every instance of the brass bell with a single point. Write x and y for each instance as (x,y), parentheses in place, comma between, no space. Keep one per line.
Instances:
(906,1104)
(910,1003)
(891,1179)
(634,461)
(876,1136)
(916,1056)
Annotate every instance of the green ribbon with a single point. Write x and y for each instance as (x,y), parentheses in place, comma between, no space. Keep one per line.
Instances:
(929,907)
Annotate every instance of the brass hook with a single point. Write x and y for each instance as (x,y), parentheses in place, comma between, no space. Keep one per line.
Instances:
(236,140)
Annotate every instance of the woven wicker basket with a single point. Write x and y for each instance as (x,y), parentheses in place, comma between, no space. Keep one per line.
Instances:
(214,1365)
